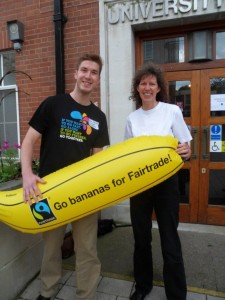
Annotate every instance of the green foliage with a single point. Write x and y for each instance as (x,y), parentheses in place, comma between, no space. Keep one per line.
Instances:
(35,165)
(10,165)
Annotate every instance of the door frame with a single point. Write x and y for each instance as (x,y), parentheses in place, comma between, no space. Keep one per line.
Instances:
(189,212)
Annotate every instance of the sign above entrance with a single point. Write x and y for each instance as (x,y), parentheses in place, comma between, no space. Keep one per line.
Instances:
(152,9)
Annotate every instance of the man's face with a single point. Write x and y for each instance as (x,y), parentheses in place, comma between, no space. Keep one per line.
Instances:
(87,76)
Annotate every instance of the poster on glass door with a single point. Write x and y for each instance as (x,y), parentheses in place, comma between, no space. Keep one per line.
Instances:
(217,102)
(216,138)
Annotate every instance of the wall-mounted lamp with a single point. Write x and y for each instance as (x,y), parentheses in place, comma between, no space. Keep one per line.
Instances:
(16,33)
(200,46)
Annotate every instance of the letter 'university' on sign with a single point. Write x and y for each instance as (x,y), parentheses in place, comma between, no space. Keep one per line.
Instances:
(147,10)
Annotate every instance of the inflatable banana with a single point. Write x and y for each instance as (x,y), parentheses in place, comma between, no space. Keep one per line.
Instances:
(110,176)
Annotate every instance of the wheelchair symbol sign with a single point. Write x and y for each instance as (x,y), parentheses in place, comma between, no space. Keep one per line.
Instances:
(215,146)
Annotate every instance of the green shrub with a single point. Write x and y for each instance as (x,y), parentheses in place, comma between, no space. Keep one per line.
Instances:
(10,165)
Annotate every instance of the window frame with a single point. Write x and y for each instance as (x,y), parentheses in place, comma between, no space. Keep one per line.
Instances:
(5,88)
(164,33)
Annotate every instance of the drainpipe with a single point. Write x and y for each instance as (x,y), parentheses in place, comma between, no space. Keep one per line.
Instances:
(59,20)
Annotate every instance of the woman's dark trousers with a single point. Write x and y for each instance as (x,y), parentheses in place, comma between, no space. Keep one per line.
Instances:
(164,199)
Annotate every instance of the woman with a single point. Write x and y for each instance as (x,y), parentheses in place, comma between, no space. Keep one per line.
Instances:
(156,117)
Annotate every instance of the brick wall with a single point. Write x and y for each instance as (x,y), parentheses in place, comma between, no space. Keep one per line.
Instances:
(37,58)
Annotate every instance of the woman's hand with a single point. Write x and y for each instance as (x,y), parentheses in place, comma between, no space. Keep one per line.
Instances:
(184,151)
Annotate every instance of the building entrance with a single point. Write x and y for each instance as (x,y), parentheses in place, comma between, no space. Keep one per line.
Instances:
(200,94)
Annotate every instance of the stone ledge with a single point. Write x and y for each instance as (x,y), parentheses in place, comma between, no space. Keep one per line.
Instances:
(11,184)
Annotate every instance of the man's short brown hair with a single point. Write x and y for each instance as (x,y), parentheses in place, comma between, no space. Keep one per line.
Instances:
(91,57)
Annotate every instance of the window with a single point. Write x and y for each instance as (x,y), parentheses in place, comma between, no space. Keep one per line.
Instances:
(220,45)
(9,112)
(207,44)
(164,50)
(180,94)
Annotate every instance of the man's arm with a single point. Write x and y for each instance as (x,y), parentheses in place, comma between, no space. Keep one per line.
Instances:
(30,189)
(96,150)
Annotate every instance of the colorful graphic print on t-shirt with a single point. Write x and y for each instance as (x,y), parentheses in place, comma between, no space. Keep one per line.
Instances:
(78,127)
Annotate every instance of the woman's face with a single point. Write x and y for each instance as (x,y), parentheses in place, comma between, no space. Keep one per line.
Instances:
(148,89)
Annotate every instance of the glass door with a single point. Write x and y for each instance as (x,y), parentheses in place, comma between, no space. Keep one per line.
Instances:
(185,92)
(212,160)
(200,94)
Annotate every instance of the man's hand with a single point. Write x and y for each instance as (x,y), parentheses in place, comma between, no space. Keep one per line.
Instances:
(30,188)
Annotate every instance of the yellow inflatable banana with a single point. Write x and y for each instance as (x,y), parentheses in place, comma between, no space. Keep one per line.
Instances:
(94,183)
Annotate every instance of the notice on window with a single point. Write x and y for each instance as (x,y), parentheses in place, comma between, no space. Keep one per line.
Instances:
(216,132)
(223,146)
(217,102)
(216,144)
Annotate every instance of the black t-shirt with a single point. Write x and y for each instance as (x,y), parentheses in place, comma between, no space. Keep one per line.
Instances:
(69,131)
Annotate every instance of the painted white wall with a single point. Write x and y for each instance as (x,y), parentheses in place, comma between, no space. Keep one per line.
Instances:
(20,255)
(20,260)
(118,52)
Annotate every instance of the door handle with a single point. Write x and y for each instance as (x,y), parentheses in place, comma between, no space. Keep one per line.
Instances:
(205,140)
(194,143)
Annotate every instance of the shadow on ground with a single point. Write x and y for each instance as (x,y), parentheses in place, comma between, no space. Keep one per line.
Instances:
(204,257)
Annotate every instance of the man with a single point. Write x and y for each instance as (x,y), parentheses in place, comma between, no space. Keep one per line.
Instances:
(71,128)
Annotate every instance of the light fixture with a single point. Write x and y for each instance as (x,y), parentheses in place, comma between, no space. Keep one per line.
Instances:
(200,45)
(16,34)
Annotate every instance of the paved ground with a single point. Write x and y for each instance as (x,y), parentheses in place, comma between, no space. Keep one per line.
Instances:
(204,256)
(110,288)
